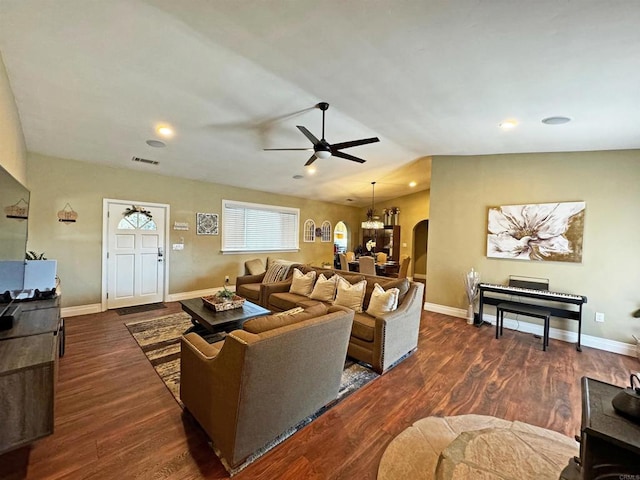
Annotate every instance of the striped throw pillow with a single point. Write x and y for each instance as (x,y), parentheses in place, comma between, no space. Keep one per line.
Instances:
(275,273)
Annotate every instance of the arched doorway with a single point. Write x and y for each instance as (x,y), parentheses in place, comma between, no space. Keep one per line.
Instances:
(420,241)
(340,237)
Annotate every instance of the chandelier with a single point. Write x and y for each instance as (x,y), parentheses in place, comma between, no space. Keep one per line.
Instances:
(370,223)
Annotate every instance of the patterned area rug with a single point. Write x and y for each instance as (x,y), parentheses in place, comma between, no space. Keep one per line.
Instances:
(159,339)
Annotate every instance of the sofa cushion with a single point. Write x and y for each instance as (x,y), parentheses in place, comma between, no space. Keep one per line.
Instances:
(254,267)
(350,296)
(250,291)
(363,327)
(284,300)
(325,288)
(302,283)
(383,301)
(275,273)
(269,322)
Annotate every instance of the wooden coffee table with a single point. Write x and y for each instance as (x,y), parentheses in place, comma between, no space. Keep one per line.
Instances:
(226,321)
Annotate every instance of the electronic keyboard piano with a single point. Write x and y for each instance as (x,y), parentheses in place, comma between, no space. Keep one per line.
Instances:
(563,305)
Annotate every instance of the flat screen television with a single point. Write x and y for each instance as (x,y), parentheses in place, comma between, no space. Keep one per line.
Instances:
(14,210)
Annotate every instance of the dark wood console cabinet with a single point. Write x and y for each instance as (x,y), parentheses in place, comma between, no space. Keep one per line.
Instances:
(387,240)
(609,442)
(29,355)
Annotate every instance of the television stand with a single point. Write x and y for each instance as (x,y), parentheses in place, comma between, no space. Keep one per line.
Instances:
(29,353)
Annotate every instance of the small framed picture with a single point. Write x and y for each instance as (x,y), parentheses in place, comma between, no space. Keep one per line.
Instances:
(206,223)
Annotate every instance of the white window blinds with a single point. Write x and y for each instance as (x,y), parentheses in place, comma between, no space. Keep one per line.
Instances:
(252,227)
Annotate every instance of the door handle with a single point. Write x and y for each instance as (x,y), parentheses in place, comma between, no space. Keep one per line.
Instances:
(160,254)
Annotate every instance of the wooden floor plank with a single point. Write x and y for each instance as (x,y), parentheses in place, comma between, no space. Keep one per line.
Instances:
(116,419)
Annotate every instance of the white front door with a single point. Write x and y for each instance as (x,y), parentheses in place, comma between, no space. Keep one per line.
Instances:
(135,254)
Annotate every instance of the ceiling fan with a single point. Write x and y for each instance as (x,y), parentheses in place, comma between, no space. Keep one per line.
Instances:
(323,149)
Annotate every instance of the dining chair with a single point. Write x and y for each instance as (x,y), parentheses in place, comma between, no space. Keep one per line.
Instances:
(351,256)
(403,270)
(344,265)
(381,257)
(367,265)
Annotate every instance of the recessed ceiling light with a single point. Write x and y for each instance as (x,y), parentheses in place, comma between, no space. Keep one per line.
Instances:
(412,184)
(165,131)
(349,199)
(298,177)
(508,124)
(555,120)
(156,143)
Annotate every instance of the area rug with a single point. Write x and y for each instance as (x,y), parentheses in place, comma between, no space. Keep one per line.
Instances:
(159,339)
(140,308)
(475,446)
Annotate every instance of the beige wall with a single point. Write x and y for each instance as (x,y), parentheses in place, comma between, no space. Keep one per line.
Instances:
(413,209)
(78,247)
(13,156)
(609,182)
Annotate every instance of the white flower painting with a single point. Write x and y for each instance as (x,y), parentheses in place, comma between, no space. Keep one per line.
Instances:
(544,231)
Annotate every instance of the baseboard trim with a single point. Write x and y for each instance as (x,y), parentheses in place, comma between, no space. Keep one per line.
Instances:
(600,343)
(174,297)
(80,310)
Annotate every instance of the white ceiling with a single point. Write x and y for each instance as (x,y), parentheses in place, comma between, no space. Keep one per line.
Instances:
(93,79)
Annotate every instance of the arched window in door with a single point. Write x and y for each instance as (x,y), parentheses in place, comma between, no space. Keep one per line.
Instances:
(137,220)
(340,237)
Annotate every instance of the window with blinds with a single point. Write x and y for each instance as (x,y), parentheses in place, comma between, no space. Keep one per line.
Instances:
(252,227)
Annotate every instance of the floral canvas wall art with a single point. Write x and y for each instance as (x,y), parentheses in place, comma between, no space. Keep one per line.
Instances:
(543,231)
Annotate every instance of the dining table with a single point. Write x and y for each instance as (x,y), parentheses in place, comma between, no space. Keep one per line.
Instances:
(382,269)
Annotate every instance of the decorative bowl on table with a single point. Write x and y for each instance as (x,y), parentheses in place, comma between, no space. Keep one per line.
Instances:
(220,304)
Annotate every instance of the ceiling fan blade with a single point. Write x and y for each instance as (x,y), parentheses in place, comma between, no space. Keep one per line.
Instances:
(274,149)
(309,135)
(348,157)
(354,143)
(311,160)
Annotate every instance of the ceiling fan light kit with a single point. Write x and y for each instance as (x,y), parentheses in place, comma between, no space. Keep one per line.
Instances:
(323,149)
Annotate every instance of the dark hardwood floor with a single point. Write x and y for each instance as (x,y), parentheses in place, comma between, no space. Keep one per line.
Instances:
(115,418)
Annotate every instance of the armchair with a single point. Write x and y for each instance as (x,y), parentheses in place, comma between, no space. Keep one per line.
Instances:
(250,388)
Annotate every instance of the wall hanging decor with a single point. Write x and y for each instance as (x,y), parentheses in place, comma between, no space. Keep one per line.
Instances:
(19,210)
(325,231)
(207,223)
(309,231)
(67,214)
(542,232)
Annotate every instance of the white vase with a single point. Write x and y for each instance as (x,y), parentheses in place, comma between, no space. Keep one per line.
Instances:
(470,315)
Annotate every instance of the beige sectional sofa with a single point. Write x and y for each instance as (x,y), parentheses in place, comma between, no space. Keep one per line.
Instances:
(381,340)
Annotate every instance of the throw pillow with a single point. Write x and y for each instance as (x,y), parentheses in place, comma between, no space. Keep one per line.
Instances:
(350,296)
(275,273)
(291,311)
(301,283)
(401,284)
(254,267)
(325,288)
(383,301)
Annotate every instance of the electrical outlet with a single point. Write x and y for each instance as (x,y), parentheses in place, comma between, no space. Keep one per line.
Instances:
(599,317)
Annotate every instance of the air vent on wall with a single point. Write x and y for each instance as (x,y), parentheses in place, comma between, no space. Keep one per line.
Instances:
(144,160)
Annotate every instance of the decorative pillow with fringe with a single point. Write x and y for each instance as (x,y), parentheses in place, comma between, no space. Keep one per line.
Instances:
(325,288)
(301,283)
(350,296)
(383,301)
